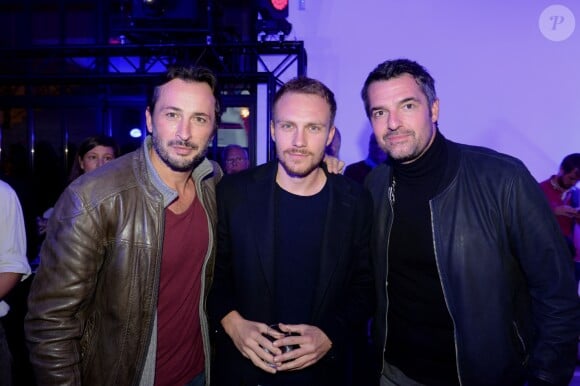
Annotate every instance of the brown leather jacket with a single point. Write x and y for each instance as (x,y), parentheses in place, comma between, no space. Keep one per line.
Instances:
(93,301)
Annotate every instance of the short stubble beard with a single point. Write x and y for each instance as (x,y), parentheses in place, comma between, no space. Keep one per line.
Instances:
(183,165)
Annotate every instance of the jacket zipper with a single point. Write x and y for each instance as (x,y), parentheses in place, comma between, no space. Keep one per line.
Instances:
(202,319)
(391,200)
(445,296)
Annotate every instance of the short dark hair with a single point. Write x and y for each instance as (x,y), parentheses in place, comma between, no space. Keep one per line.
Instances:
(187,73)
(395,68)
(570,162)
(305,85)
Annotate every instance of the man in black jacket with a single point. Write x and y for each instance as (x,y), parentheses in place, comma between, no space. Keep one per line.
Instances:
(292,253)
(468,259)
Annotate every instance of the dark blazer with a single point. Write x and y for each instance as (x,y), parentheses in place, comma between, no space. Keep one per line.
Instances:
(244,272)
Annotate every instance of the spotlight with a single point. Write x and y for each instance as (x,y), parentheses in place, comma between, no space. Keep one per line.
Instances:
(274,9)
(135,133)
(273,21)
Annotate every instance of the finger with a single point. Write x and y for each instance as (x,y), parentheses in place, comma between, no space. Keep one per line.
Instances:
(268,346)
(264,365)
(299,363)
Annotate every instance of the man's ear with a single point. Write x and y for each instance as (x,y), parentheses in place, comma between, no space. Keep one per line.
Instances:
(331,135)
(272,131)
(435,111)
(148,120)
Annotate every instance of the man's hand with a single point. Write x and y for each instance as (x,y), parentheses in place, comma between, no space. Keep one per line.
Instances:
(333,164)
(313,342)
(566,210)
(249,340)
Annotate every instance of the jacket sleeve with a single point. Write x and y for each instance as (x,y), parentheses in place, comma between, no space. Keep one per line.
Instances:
(69,261)
(220,301)
(547,265)
(357,304)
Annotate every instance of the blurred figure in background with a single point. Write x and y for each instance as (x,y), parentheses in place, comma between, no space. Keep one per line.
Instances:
(359,170)
(93,152)
(564,199)
(235,159)
(13,266)
(563,196)
(333,149)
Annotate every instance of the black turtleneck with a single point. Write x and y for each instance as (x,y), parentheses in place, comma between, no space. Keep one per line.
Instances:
(420,331)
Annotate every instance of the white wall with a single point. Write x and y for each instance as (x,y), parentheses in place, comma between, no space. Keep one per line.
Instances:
(501,82)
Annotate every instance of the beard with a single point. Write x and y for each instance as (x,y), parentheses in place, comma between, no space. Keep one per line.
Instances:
(302,169)
(410,151)
(176,163)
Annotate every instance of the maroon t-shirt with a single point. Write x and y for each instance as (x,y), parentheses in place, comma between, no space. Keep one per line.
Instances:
(180,354)
(558,198)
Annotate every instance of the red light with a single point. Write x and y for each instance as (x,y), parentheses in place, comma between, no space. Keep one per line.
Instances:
(279,5)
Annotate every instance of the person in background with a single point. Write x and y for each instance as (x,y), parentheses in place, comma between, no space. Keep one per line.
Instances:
(119,296)
(92,153)
(333,149)
(359,170)
(235,159)
(563,196)
(474,280)
(14,266)
(293,255)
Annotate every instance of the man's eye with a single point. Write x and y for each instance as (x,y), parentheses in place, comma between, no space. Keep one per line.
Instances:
(171,115)
(378,113)
(408,106)
(200,119)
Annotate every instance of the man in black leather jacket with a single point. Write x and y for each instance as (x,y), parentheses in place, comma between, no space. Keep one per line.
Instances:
(474,282)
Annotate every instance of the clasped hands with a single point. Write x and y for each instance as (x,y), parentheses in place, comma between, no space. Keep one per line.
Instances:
(253,342)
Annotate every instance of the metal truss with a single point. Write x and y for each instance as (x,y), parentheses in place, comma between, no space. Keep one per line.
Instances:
(113,63)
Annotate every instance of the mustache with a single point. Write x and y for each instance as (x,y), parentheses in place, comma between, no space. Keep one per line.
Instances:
(178,142)
(397,132)
(296,151)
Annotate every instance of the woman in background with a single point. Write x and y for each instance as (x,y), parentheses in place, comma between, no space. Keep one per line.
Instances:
(93,152)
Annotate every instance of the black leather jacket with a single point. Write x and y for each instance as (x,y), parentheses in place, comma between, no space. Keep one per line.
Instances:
(506,274)
(93,301)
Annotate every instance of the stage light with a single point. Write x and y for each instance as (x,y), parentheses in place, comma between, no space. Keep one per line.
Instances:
(277,8)
(273,18)
(135,133)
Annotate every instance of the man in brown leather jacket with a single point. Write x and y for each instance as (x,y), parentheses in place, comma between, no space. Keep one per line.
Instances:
(120,293)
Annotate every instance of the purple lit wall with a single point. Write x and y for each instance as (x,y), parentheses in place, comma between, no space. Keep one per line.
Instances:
(507,73)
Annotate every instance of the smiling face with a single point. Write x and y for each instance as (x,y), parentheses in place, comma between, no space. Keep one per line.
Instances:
(301,130)
(96,157)
(182,125)
(402,120)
